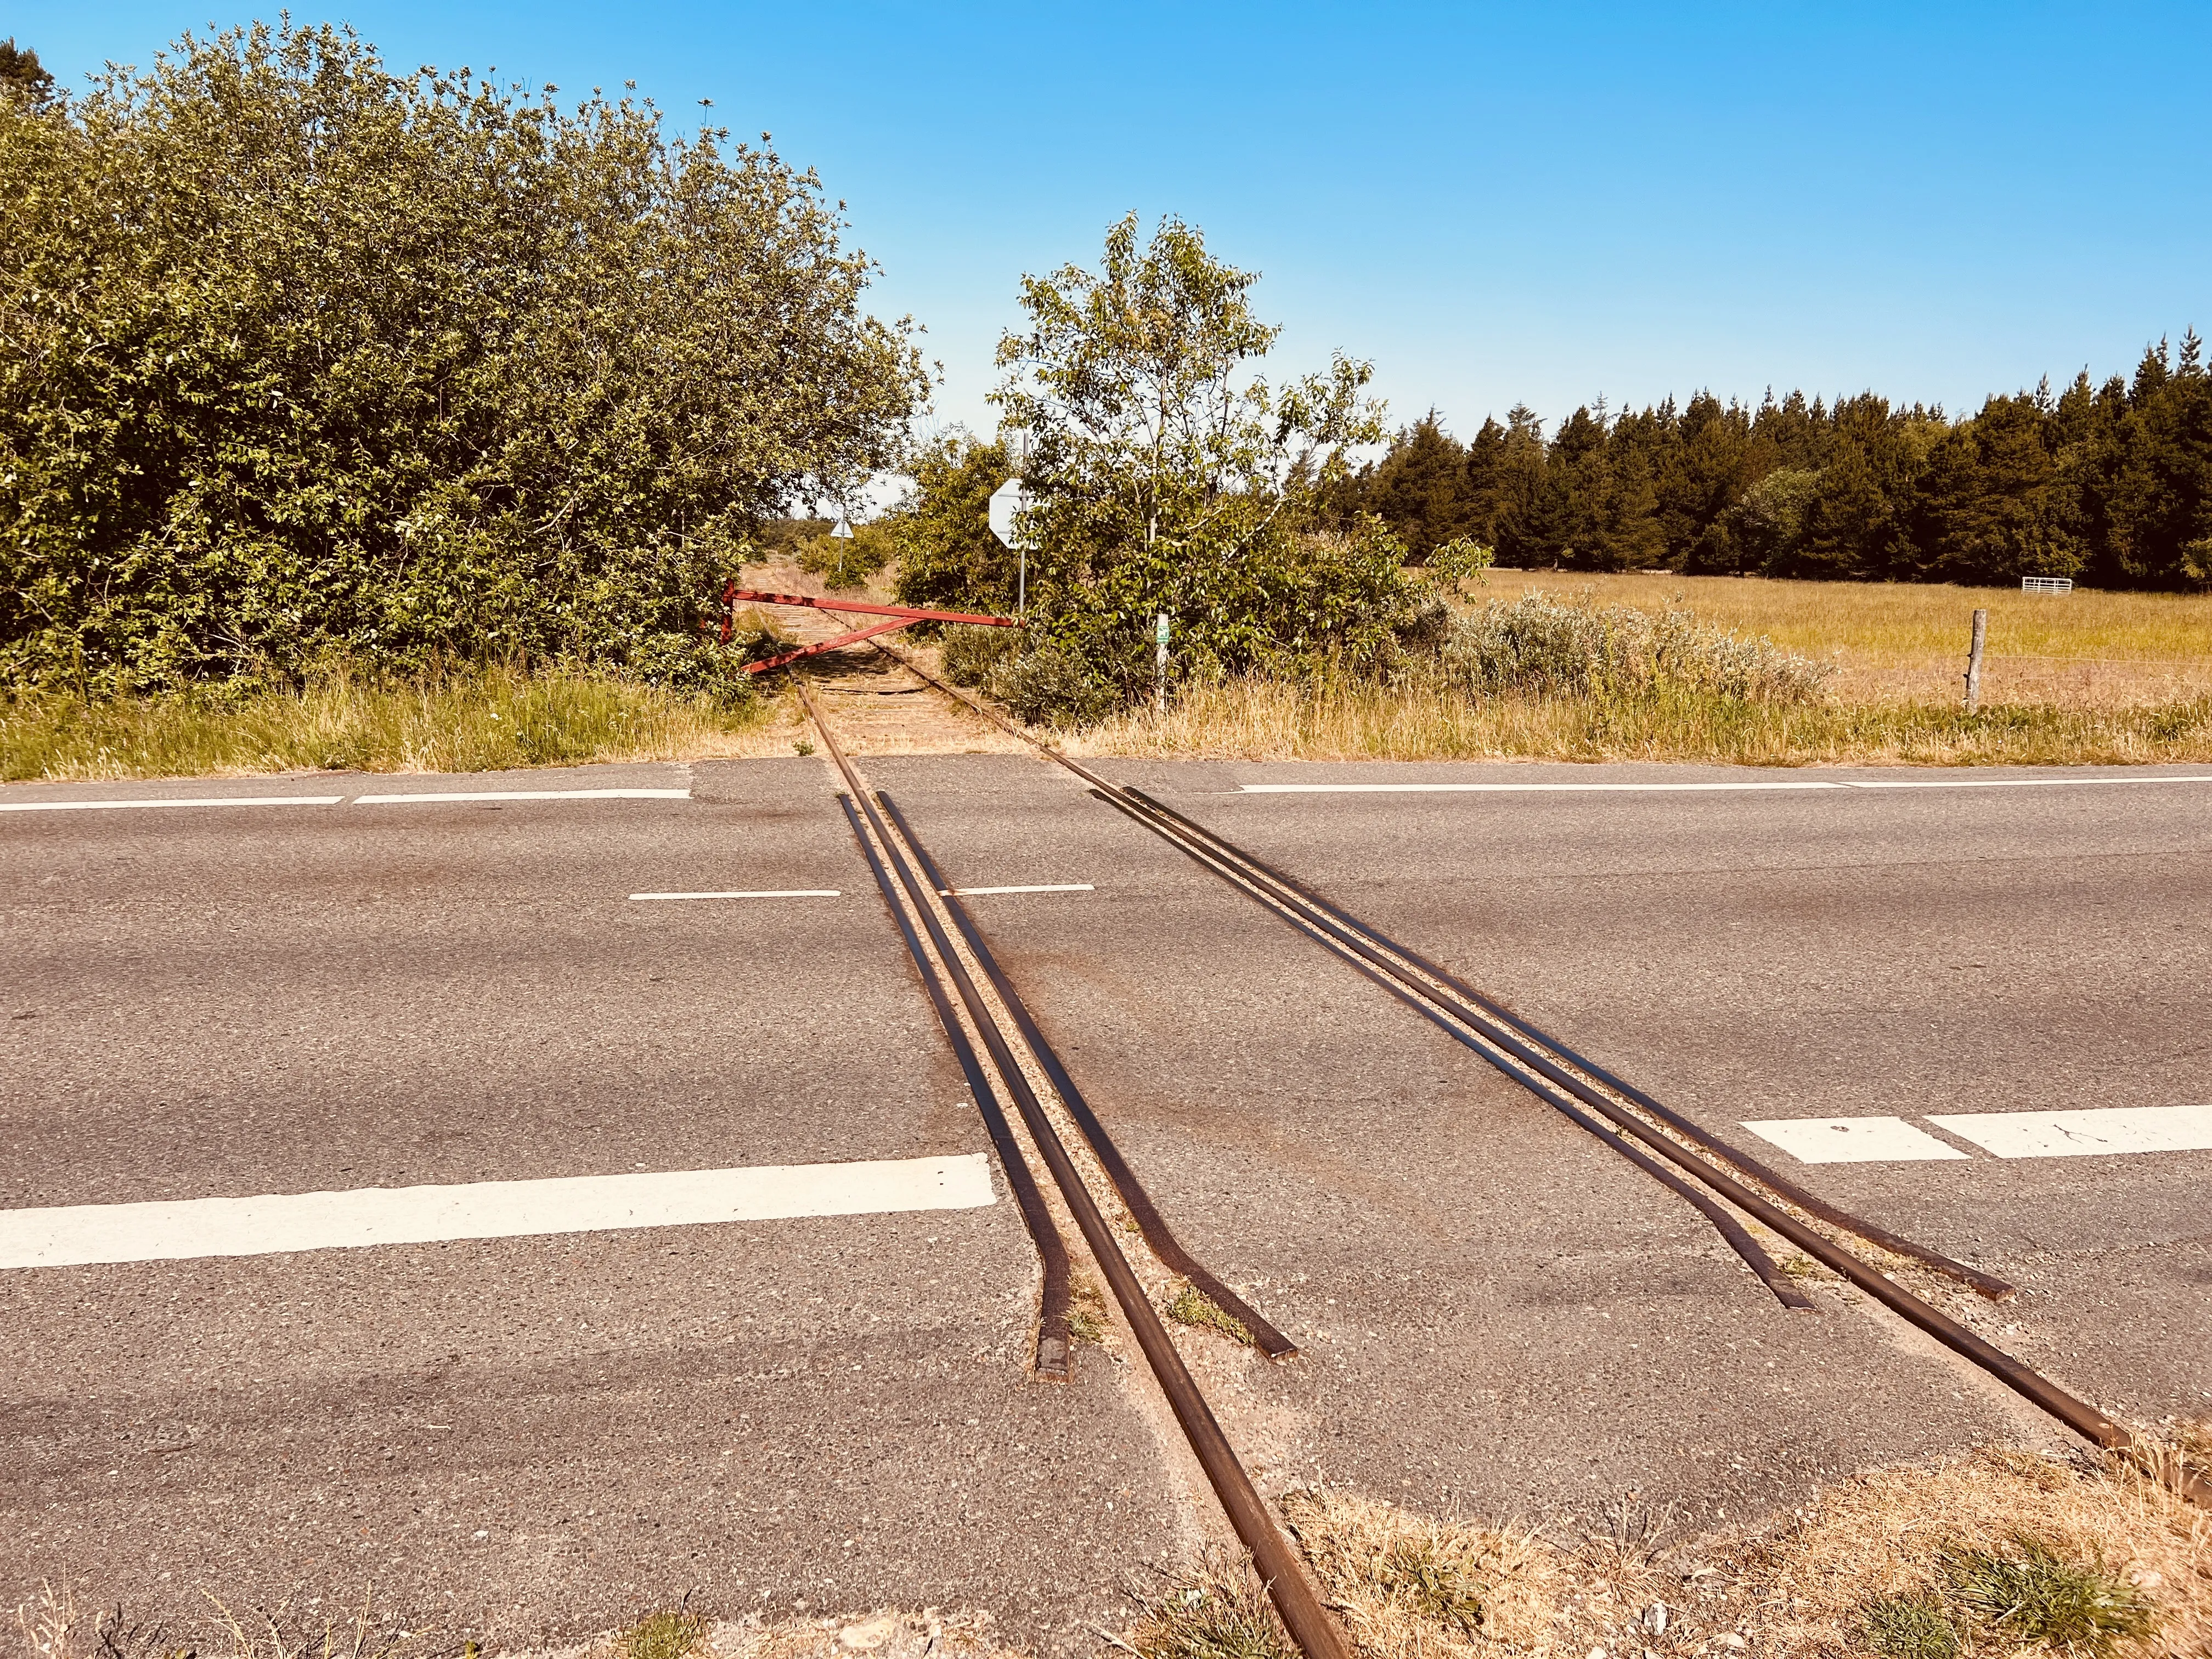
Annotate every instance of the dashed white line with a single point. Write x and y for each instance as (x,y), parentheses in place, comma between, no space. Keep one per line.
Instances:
(767,893)
(173,800)
(528,794)
(1507,788)
(2088,1132)
(1852,1139)
(274,1223)
(1047,887)
(1694,789)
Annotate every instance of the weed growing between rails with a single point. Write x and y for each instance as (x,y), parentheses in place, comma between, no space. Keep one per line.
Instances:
(474,720)
(1995,1552)
(1261,719)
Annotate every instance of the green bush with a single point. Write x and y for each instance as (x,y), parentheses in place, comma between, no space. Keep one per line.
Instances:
(1536,644)
(303,360)
(973,656)
(846,563)
(948,559)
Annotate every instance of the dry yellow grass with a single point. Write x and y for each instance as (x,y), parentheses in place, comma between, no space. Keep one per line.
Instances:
(1276,720)
(58,1623)
(481,721)
(1403,1583)
(1907,642)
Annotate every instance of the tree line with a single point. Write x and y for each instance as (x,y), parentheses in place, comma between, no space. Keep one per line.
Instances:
(2109,484)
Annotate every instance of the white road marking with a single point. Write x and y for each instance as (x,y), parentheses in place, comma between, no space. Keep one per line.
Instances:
(1055,887)
(1688,788)
(2090,1132)
(184,1229)
(1505,788)
(211,800)
(791,892)
(1852,1139)
(2000,783)
(530,794)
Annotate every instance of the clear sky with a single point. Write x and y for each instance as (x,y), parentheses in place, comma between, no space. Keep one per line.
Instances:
(1492,204)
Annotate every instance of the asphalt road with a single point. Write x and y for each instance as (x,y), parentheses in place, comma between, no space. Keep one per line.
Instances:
(520,1438)
(532,1437)
(1903,951)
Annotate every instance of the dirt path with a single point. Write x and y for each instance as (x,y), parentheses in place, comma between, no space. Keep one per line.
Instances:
(877,706)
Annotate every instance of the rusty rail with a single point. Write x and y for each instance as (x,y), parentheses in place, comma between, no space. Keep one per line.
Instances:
(1482,1024)
(1052,1344)
(1277,1564)
(1146,1213)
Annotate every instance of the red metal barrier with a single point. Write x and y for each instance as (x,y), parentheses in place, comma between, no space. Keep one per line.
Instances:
(901,615)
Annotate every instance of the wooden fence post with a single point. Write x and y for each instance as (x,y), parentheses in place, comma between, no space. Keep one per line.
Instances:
(1974,662)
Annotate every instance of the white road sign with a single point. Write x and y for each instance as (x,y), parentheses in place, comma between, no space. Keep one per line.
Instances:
(1008,500)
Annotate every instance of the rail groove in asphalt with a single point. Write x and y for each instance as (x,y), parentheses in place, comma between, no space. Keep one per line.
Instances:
(1551,1071)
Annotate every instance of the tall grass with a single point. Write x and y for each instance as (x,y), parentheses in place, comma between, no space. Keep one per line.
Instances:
(1903,641)
(476,720)
(1346,719)
(1536,644)
(1532,678)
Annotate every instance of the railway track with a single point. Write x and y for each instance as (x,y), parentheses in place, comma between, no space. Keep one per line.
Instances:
(1720,1180)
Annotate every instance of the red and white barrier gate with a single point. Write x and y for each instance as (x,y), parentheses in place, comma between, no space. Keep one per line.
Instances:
(901,615)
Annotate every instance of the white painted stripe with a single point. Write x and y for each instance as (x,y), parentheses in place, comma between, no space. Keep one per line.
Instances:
(2000,783)
(273,1223)
(1506,789)
(792,892)
(1055,887)
(1688,789)
(211,800)
(530,794)
(2090,1132)
(1852,1139)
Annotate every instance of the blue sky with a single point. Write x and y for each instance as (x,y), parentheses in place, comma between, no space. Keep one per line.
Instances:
(1492,203)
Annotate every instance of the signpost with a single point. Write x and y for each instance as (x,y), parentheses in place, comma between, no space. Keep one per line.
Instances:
(1008,503)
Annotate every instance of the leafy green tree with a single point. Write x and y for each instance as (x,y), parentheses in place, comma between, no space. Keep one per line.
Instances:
(304,359)
(1170,477)
(941,531)
(1765,530)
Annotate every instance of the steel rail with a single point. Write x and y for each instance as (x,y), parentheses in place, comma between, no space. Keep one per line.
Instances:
(1997,1290)
(1146,1213)
(2069,1408)
(1278,1566)
(1052,1344)
(1311,913)
(1753,1255)
(1295,891)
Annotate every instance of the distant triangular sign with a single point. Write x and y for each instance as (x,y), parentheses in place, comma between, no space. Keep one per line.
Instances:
(841,530)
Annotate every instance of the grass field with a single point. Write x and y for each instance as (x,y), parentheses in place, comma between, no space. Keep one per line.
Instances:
(2089,677)
(1902,642)
(2083,679)
(481,720)
(1274,719)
